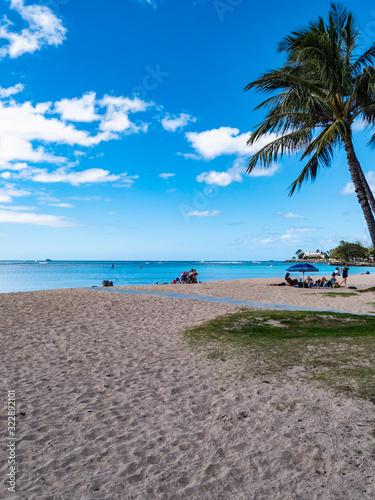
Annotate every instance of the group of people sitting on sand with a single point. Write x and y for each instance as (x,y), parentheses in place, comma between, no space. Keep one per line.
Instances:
(107,283)
(187,277)
(310,283)
(319,283)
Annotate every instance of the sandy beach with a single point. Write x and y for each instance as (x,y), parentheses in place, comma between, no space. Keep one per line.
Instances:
(111,403)
(257,289)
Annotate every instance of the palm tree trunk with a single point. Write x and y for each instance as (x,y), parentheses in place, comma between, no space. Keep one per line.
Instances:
(355,172)
(369,194)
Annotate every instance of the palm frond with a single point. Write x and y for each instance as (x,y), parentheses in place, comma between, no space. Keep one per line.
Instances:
(286,144)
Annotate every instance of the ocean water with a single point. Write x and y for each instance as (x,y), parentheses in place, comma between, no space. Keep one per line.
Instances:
(19,276)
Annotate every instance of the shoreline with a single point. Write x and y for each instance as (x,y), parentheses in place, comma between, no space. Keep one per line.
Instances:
(342,299)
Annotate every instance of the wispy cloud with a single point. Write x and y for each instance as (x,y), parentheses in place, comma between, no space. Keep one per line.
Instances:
(213,143)
(166,175)
(4,93)
(172,123)
(44,28)
(8,216)
(203,213)
(152,3)
(349,187)
(10,191)
(359,125)
(17,208)
(89,176)
(290,215)
(299,229)
(288,236)
(61,205)
(235,174)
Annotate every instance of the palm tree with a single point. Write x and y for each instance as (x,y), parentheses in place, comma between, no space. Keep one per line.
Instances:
(324,86)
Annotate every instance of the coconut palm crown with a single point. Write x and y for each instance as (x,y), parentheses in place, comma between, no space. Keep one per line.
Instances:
(325,85)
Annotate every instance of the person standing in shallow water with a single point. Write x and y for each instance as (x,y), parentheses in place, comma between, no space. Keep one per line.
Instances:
(344,273)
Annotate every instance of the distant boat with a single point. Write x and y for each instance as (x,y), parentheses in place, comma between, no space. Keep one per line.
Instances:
(48,260)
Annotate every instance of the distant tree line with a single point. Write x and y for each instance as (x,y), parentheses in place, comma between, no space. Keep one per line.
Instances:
(351,251)
(345,251)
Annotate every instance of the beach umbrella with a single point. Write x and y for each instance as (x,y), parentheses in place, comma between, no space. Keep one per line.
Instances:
(303,267)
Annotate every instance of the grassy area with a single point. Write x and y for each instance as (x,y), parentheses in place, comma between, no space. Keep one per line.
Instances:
(337,350)
(338,294)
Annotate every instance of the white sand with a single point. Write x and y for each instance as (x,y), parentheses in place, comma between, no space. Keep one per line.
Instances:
(115,406)
(258,290)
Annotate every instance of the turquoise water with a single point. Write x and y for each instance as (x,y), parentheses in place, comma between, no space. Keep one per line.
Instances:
(27,276)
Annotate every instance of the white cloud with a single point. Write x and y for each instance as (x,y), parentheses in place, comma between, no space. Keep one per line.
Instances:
(16,149)
(91,176)
(166,176)
(116,118)
(44,28)
(148,2)
(61,205)
(17,166)
(225,141)
(220,178)
(172,123)
(78,109)
(190,156)
(359,125)
(268,240)
(235,174)
(202,213)
(11,90)
(299,229)
(349,188)
(222,141)
(22,125)
(86,198)
(290,215)
(265,172)
(17,208)
(7,216)
(288,236)
(10,191)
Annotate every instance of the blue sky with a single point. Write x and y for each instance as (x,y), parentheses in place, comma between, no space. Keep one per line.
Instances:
(123,130)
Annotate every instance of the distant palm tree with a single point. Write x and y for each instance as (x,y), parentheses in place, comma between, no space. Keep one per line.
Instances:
(324,86)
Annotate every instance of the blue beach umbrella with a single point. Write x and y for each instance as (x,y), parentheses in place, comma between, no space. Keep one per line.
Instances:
(303,267)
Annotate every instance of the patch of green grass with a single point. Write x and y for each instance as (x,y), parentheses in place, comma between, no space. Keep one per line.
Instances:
(371,289)
(337,350)
(339,294)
